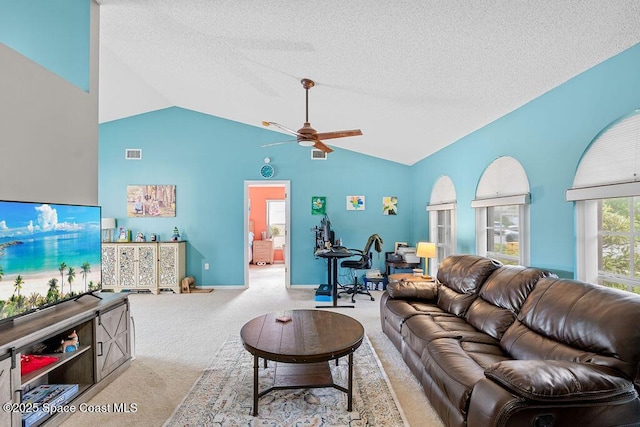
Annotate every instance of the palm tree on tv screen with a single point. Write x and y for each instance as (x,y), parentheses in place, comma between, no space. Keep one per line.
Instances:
(86,269)
(17,286)
(61,269)
(52,293)
(71,275)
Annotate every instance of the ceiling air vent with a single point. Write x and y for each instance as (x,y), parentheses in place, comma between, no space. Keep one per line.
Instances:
(318,154)
(133,154)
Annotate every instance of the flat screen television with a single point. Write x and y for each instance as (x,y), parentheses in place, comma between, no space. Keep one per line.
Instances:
(49,253)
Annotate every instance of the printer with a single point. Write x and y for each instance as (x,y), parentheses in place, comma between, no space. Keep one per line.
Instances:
(409,254)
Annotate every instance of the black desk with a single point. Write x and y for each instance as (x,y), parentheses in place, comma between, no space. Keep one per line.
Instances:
(332,258)
(400,264)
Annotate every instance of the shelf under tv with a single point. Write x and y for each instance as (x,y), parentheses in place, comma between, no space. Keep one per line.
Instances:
(62,359)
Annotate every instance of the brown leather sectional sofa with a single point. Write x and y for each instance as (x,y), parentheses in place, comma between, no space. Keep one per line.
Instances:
(497,345)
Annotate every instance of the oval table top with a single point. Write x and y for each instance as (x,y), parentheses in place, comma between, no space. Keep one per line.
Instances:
(310,336)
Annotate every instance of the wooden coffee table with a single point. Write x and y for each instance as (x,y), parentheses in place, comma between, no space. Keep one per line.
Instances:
(303,348)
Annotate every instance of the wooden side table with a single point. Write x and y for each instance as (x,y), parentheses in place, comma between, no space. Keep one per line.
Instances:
(263,251)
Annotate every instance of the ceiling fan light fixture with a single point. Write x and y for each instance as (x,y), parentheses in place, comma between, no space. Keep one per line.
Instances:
(306,142)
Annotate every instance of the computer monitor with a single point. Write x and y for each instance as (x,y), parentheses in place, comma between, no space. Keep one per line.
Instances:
(324,233)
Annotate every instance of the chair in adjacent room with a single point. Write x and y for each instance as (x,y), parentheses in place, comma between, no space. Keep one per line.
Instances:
(363,262)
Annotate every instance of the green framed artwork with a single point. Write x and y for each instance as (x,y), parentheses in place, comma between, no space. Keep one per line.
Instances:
(318,205)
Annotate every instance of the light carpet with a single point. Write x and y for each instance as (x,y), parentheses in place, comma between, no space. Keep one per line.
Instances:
(223,395)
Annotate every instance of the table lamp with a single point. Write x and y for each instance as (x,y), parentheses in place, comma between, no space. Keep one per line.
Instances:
(426,250)
(107,224)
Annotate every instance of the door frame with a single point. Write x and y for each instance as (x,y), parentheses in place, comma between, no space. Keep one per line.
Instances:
(287,238)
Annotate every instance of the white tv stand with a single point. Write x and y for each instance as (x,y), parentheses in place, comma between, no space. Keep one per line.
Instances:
(103,328)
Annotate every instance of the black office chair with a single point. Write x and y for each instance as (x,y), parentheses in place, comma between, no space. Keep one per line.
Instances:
(362,263)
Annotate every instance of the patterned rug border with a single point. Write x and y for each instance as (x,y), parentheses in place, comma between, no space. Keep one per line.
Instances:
(216,365)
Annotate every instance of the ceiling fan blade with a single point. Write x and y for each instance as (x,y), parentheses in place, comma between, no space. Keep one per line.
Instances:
(284,128)
(279,143)
(322,146)
(339,134)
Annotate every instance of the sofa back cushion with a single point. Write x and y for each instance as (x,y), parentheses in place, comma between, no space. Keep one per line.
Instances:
(459,279)
(501,298)
(564,319)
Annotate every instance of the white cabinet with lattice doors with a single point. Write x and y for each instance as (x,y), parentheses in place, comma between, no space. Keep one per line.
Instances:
(171,265)
(143,266)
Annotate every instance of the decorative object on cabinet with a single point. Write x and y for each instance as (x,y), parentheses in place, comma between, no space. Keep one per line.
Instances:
(356,203)
(124,235)
(151,200)
(143,266)
(176,235)
(140,237)
(107,224)
(263,252)
(390,205)
(83,373)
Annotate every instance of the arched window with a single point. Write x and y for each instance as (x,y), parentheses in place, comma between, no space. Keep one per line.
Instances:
(442,219)
(606,192)
(502,212)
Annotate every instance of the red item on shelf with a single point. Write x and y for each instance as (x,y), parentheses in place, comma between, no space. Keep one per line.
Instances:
(31,362)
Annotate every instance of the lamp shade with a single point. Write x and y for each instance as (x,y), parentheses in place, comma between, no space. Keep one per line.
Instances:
(108,223)
(426,250)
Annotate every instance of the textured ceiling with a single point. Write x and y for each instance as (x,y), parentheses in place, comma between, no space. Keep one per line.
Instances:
(414,75)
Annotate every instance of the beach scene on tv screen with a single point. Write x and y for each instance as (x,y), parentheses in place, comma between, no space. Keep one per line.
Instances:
(48,252)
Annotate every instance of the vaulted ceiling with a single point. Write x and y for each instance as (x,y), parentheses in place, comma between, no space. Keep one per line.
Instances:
(414,75)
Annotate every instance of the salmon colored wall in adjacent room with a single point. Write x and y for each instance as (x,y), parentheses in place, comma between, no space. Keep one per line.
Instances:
(258,197)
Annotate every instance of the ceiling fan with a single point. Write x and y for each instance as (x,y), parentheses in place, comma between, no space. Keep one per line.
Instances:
(308,136)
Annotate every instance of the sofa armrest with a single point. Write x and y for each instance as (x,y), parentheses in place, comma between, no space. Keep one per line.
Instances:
(560,381)
(408,289)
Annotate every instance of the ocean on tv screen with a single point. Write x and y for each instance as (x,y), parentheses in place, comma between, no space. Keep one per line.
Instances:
(47,252)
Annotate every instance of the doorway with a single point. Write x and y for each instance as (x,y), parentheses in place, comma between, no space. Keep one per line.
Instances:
(267,231)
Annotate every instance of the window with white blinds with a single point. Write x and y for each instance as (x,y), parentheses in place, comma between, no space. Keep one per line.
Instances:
(502,212)
(606,189)
(611,165)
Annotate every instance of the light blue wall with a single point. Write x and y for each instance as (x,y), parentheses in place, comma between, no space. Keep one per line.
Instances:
(209,159)
(53,33)
(547,136)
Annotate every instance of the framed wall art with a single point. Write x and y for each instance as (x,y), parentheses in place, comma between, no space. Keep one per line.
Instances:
(390,205)
(151,201)
(318,205)
(355,203)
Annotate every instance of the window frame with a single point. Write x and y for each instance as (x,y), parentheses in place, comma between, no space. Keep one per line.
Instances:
(444,249)
(482,226)
(269,203)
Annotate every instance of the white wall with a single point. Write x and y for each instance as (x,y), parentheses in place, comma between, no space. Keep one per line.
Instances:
(48,130)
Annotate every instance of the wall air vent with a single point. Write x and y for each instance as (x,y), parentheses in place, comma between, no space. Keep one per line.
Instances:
(318,154)
(133,154)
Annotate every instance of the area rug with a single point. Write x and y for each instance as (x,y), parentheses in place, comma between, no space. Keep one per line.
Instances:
(223,395)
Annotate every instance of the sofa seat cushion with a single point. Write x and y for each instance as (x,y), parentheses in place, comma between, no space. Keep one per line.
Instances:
(454,367)
(419,330)
(561,381)
(501,297)
(399,310)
